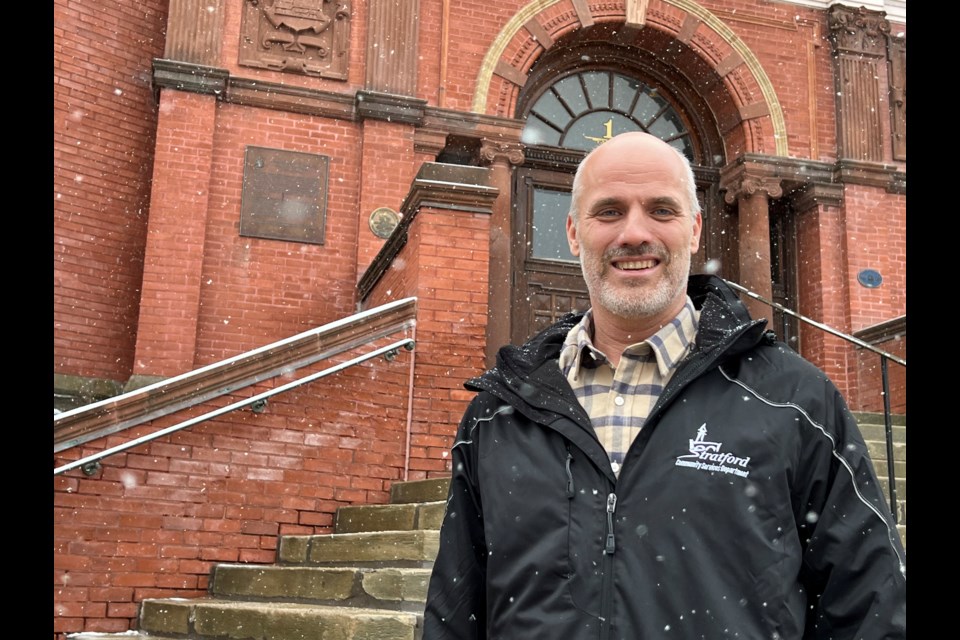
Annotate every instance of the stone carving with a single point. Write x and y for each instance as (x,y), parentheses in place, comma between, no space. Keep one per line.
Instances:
(492,151)
(750,186)
(858,30)
(309,37)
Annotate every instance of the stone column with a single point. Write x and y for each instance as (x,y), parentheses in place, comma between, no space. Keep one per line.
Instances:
(752,196)
(501,157)
(859,39)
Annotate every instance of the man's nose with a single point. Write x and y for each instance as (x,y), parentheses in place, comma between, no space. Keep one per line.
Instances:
(636,228)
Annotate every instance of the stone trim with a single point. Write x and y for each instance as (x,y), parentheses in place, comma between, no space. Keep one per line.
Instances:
(883,331)
(437,185)
(390,108)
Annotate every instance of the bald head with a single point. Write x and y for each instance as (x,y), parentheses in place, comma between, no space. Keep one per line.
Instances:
(636,144)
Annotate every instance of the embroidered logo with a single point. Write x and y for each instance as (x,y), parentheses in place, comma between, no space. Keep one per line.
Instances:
(706,456)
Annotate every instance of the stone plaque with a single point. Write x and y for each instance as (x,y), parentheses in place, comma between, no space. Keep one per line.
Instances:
(310,37)
(284,195)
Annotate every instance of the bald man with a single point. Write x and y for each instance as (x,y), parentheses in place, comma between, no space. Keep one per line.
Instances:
(659,466)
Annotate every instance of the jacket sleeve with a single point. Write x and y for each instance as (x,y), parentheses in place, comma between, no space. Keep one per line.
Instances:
(854,565)
(456,599)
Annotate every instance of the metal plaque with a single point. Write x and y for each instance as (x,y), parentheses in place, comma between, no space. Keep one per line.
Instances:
(284,195)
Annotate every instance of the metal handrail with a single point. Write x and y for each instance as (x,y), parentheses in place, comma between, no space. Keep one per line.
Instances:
(407,344)
(99,419)
(884,357)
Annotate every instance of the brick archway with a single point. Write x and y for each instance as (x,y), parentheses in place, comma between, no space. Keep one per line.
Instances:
(536,28)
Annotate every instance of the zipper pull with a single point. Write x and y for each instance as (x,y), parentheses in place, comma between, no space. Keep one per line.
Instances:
(570,492)
(611,545)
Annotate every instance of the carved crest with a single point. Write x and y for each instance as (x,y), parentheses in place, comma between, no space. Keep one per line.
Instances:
(310,37)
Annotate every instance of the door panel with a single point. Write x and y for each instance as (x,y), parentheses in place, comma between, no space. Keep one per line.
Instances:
(547,278)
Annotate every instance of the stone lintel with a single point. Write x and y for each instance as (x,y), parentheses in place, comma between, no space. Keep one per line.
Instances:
(269,95)
(389,107)
(871,174)
(186,76)
(816,194)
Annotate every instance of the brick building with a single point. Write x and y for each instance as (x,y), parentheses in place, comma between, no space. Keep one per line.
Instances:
(229,174)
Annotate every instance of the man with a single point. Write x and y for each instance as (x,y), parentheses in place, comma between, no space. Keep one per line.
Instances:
(660,467)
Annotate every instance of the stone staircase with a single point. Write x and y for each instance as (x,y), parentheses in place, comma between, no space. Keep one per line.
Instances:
(872,427)
(368,580)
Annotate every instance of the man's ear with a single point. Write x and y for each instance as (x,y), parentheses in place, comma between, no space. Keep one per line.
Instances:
(695,238)
(572,236)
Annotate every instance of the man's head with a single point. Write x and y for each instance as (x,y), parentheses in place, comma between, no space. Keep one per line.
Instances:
(634,222)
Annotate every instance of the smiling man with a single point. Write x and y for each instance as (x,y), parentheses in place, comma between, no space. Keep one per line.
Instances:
(660,466)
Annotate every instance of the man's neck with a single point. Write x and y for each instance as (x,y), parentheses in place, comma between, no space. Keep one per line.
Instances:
(612,334)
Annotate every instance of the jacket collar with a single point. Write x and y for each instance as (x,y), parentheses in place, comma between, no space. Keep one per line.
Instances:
(521,372)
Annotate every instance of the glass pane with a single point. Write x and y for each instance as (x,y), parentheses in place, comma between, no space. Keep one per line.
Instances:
(551,109)
(536,131)
(550,210)
(647,107)
(667,126)
(683,145)
(598,88)
(624,89)
(572,93)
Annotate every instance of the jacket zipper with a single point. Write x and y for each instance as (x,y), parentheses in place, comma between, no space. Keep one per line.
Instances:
(609,548)
(611,544)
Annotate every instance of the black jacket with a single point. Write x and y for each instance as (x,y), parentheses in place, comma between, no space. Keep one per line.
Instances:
(746,508)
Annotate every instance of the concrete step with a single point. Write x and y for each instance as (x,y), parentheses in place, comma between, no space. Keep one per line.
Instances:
(374,549)
(389,517)
(398,589)
(877,418)
(878,451)
(878,433)
(429,490)
(900,484)
(212,618)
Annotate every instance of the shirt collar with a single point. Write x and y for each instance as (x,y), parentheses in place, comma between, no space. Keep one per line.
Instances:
(669,345)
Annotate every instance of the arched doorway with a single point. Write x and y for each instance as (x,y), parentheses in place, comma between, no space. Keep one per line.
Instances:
(578,96)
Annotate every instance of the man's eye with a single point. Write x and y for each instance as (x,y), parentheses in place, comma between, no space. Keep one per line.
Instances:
(663,213)
(607,213)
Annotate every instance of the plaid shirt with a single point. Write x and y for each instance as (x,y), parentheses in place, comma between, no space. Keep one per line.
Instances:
(619,401)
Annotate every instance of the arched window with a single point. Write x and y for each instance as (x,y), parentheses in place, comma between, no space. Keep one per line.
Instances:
(585,108)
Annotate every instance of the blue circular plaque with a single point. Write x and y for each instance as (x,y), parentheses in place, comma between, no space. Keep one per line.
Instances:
(869,278)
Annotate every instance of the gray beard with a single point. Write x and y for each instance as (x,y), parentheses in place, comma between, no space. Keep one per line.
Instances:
(643,304)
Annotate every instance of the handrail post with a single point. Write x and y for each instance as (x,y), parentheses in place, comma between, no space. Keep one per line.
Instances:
(888,428)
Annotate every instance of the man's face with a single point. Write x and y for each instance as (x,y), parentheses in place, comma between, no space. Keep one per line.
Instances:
(634,233)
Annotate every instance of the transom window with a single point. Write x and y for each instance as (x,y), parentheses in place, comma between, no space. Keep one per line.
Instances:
(586,108)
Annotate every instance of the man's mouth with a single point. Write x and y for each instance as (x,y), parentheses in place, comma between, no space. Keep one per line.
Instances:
(636,265)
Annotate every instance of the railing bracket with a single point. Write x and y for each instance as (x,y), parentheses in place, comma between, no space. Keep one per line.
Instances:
(259,406)
(91,468)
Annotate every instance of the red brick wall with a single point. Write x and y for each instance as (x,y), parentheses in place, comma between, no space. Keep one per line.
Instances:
(256,290)
(166,339)
(870,385)
(103,128)
(445,250)
(388,168)
(156,518)
(876,239)
(451,329)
